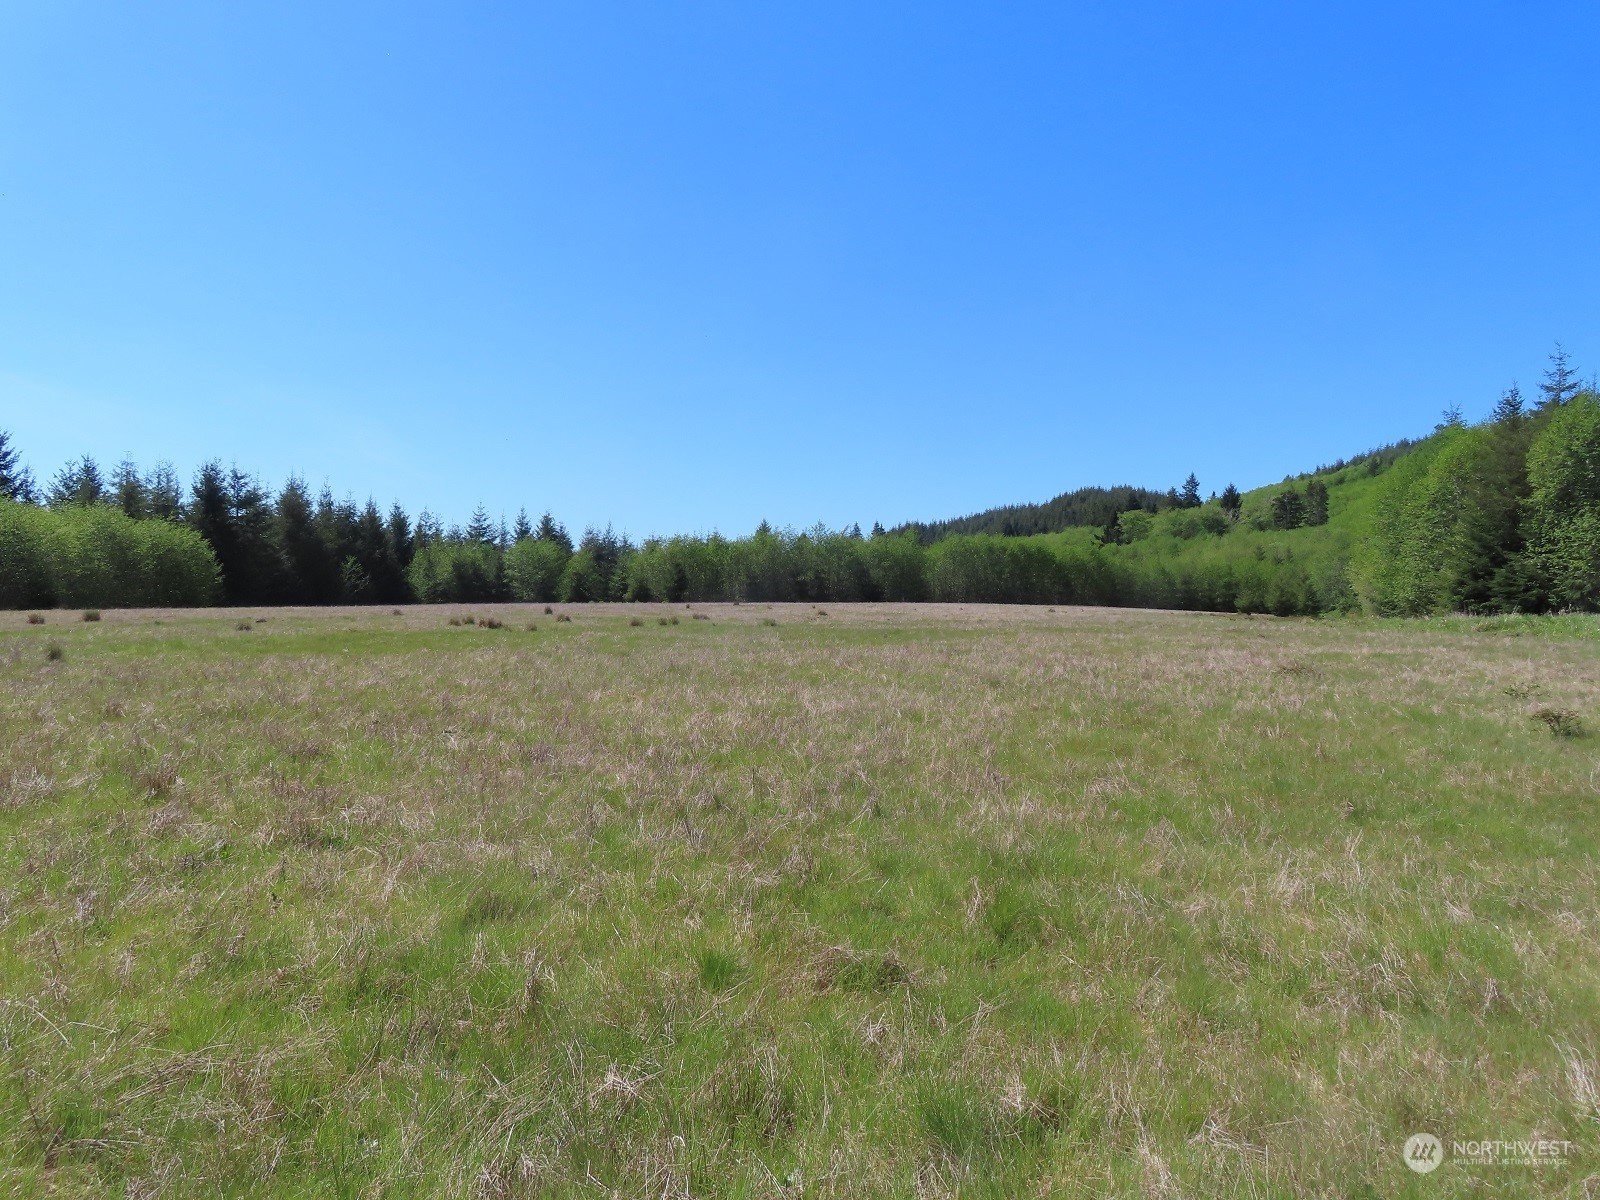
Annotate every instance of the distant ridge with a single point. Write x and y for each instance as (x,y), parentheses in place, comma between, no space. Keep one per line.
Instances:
(1099,506)
(1086,506)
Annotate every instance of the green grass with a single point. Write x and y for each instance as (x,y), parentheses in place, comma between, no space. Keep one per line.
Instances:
(909,901)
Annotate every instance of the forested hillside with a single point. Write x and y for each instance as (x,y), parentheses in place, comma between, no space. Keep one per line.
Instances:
(1502,516)
(1084,506)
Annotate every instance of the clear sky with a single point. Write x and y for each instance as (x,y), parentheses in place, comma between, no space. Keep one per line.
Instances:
(679,267)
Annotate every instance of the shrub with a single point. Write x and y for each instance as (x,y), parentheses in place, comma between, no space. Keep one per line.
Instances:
(91,614)
(54,653)
(1563,510)
(582,581)
(89,556)
(35,618)
(534,569)
(457,573)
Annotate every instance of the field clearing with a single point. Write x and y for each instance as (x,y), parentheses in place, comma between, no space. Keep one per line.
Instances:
(891,900)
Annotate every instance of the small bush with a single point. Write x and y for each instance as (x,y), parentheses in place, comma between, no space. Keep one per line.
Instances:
(92,614)
(563,617)
(701,617)
(636,621)
(54,653)
(548,610)
(455,621)
(1561,722)
(490,623)
(245,626)
(397,613)
(35,618)
(768,621)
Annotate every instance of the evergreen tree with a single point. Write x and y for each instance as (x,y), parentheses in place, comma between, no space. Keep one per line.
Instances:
(77,483)
(522,530)
(550,531)
(1560,381)
(1449,419)
(163,493)
(1191,493)
(1508,410)
(128,490)
(1232,502)
(428,531)
(878,529)
(378,577)
(230,510)
(1316,512)
(479,529)
(402,543)
(16,482)
(312,565)
(1288,509)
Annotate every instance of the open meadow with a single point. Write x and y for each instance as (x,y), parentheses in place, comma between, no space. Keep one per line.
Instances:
(751,900)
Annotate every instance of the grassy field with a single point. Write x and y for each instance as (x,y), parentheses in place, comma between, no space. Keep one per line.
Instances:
(883,901)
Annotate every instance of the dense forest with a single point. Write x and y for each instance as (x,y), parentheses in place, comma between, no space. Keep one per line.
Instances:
(1499,516)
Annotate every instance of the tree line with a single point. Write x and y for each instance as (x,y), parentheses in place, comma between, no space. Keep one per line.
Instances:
(1499,516)
(1502,516)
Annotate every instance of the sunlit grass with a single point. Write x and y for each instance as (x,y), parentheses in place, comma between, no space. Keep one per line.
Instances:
(906,901)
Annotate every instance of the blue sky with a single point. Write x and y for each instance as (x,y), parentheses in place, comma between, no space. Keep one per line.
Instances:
(681,267)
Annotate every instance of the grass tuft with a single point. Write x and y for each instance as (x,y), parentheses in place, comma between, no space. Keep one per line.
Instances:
(91,614)
(488,906)
(1561,722)
(719,970)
